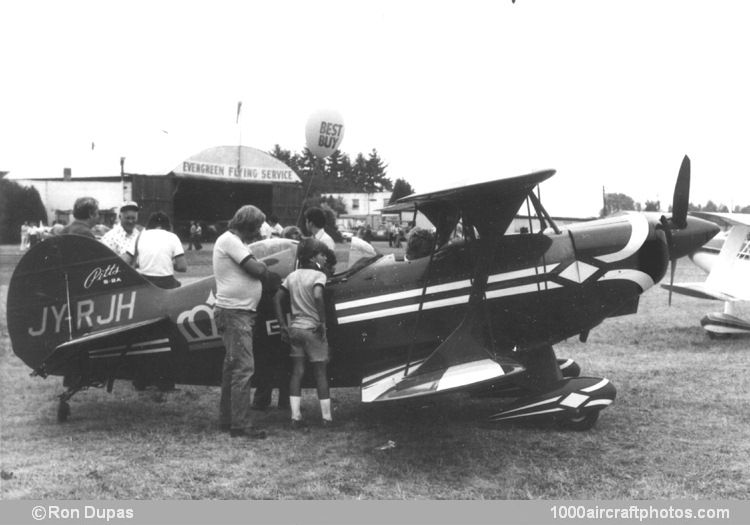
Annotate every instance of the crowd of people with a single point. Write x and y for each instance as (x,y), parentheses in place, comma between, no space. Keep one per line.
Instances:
(157,253)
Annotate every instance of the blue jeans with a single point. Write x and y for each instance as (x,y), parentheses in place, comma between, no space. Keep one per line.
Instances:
(236,330)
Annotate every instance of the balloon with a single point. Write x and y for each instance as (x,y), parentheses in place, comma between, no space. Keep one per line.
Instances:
(324,132)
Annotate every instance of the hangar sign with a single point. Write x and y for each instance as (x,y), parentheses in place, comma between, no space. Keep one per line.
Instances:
(246,173)
(242,163)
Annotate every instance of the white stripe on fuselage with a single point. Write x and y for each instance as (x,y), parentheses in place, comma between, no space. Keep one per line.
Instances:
(641,279)
(403,295)
(445,287)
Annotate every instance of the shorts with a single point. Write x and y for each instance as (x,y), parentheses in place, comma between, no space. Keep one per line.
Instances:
(305,342)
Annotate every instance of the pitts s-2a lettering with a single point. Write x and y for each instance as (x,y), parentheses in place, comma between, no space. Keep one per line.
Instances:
(478,314)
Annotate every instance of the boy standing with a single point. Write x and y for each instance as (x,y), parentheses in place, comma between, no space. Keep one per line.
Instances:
(307,331)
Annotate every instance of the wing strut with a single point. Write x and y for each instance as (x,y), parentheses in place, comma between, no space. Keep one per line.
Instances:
(421,303)
(541,212)
(468,355)
(464,343)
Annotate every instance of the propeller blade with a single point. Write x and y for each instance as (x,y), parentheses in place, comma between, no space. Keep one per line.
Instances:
(681,197)
(672,267)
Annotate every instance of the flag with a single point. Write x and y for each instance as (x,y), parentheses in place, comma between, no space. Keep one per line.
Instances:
(239,107)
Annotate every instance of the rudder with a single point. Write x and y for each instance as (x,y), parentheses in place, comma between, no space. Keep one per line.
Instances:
(53,277)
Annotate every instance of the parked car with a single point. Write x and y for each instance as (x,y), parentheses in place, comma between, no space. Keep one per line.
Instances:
(380,234)
(346,234)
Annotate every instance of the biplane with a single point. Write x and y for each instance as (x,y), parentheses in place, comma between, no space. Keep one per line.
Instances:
(479,314)
(726,260)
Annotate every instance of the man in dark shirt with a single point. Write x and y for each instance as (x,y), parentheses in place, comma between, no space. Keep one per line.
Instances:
(85,217)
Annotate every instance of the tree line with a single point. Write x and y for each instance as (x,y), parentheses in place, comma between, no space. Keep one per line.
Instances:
(18,204)
(337,173)
(614,202)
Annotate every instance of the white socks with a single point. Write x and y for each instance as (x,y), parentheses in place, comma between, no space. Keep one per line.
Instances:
(325,408)
(296,401)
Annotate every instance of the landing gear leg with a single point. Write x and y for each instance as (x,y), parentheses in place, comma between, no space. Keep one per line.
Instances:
(572,402)
(542,368)
(74,384)
(63,411)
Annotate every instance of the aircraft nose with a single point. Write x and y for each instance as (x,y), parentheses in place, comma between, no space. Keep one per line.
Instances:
(687,240)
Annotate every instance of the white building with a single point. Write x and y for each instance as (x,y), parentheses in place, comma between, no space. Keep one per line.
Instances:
(363,204)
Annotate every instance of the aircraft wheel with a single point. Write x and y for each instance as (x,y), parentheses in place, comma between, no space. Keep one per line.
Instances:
(139,384)
(584,421)
(718,336)
(63,411)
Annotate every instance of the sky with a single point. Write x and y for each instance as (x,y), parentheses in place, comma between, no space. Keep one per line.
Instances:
(610,94)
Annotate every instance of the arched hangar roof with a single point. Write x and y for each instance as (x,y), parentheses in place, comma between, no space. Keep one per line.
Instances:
(236,164)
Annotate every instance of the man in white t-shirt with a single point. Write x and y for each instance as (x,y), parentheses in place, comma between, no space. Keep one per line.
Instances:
(276,228)
(239,285)
(157,252)
(315,222)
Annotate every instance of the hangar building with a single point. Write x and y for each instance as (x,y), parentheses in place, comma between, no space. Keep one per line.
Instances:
(207,187)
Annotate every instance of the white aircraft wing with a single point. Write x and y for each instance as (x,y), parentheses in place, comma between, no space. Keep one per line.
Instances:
(742,219)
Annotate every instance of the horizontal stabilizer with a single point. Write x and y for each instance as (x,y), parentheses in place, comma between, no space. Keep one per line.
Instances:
(138,338)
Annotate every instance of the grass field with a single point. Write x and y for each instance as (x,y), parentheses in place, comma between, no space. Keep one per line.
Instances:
(680,428)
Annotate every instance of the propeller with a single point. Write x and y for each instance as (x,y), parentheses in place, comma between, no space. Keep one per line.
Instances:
(678,220)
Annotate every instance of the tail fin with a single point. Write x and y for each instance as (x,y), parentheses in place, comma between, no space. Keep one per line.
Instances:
(729,273)
(49,285)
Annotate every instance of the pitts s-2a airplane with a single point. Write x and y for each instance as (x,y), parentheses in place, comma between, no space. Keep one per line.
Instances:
(479,314)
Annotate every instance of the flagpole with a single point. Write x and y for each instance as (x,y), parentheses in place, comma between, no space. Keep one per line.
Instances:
(122,178)
(239,139)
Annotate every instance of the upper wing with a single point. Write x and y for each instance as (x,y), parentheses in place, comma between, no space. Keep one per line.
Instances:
(488,206)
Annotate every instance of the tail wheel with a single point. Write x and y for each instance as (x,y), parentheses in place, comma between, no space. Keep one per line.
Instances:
(581,422)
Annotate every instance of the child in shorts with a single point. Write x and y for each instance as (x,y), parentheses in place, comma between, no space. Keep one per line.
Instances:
(306,333)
